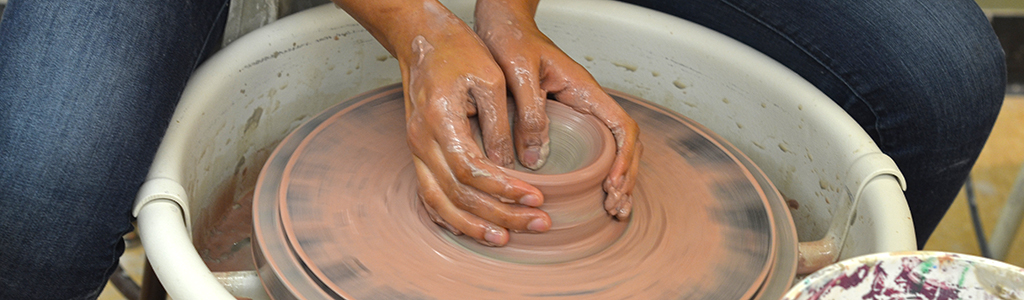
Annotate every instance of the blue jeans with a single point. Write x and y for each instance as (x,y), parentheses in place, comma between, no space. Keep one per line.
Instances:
(925,79)
(86,91)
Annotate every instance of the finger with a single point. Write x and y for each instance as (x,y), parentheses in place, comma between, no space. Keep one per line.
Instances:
(626,134)
(492,109)
(514,217)
(464,196)
(622,174)
(619,201)
(634,169)
(476,172)
(531,121)
(463,161)
(572,85)
(472,226)
(591,99)
(435,217)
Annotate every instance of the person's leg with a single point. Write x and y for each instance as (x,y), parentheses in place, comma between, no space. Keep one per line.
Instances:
(925,79)
(86,91)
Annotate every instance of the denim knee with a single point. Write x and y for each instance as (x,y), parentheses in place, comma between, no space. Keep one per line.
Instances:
(941,86)
(86,90)
(51,255)
(935,115)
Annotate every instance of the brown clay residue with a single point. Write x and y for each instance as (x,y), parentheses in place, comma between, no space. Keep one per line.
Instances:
(815,255)
(226,245)
(222,232)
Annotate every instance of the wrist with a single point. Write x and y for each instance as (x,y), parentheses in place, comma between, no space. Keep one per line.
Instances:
(496,15)
(395,24)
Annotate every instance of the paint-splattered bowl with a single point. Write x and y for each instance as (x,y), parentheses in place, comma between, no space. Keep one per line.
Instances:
(913,275)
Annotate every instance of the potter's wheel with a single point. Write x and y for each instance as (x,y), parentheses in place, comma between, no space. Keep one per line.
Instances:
(336,216)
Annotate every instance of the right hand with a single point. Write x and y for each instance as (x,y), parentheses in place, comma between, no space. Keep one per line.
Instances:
(449,76)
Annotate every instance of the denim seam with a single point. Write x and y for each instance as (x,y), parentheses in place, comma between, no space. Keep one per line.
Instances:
(816,59)
(105,277)
(209,34)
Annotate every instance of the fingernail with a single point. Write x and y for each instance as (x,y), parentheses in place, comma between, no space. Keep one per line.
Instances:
(508,161)
(531,158)
(625,208)
(538,225)
(493,236)
(617,182)
(530,200)
(622,216)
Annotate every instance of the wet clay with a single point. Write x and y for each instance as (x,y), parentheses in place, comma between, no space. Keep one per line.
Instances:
(336,215)
(573,197)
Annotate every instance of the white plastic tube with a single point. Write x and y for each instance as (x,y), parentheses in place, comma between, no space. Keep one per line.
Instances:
(170,251)
(1009,220)
(244,284)
(877,199)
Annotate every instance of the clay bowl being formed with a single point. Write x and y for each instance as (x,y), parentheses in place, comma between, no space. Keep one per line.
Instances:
(582,151)
(336,215)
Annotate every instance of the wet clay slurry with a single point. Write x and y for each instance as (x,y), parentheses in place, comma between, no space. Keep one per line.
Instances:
(336,215)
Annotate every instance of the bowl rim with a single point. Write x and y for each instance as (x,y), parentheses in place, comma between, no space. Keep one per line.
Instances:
(599,165)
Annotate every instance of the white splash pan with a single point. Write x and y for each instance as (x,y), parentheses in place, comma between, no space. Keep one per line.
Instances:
(248,96)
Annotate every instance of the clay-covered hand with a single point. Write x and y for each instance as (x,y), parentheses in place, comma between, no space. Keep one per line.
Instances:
(533,68)
(449,76)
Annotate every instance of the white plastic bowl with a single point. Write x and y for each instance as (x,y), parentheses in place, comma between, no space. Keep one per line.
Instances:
(247,97)
(912,275)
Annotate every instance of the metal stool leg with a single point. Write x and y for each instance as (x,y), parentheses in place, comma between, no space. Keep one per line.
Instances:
(152,289)
(124,284)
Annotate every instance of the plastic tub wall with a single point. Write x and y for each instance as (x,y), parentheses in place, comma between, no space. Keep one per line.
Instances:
(246,98)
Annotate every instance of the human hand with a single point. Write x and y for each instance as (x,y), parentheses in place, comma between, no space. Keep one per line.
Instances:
(449,76)
(534,67)
(463,190)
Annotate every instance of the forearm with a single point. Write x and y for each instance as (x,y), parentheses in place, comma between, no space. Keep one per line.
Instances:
(396,23)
